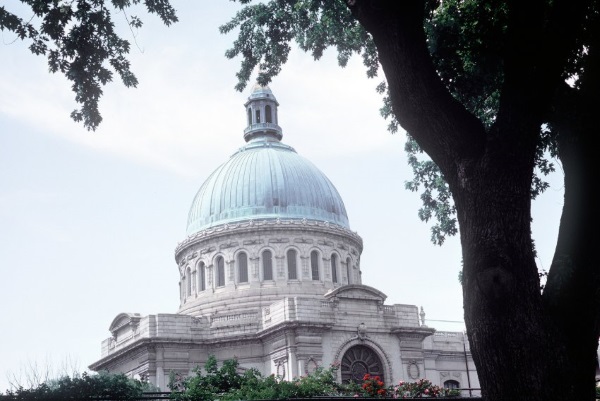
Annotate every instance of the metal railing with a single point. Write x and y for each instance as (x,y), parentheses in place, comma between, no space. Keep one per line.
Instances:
(167,395)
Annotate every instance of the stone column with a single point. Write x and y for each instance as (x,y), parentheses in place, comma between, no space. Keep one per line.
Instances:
(281,273)
(230,272)
(305,270)
(327,269)
(254,277)
(292,361)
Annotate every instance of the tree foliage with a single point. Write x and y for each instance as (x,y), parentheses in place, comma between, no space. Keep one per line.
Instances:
(466,41)
(80,41)
(267,28)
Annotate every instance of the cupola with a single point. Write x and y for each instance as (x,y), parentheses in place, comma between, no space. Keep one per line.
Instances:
(261,114)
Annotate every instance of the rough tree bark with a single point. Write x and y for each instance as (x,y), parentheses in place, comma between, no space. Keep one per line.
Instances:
(526,346)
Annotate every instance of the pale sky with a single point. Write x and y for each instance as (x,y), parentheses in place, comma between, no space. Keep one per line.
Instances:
(89,220)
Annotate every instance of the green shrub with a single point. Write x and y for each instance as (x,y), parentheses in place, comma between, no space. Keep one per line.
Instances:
(85,386)
(422,388)
(227,384)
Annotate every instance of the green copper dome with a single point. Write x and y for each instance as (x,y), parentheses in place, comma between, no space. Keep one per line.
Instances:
(265,179)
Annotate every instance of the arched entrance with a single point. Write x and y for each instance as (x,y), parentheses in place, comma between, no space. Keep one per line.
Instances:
(358,361)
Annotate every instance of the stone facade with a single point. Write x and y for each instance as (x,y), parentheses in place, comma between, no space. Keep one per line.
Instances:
(291,337)
(270,274)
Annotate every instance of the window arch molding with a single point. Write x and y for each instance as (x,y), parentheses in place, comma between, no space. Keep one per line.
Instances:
(315,258)
(268,114)
(349,270)
(188,281)
(219,271)
(451,384)
(241,266)
(334,265)
(374,346)
(201,269)
(266,258)
(292,256)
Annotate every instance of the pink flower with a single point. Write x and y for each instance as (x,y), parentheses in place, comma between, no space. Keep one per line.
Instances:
(355,395)
(426,391)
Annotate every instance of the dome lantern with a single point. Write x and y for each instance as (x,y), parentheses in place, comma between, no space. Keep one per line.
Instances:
(261,115)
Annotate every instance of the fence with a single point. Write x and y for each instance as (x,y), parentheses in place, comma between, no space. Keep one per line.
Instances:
(167,396)
(145,396)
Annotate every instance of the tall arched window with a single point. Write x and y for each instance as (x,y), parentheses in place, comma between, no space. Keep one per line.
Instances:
(188,282)
(268,117)
(267,265)
(249,116)
(291,264)
(201,277)
(220,271)
(257,116)
(334,264)
(314,264)
(242,262)
(349,270)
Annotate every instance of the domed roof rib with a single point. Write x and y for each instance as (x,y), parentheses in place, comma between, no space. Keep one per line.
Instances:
(234,184)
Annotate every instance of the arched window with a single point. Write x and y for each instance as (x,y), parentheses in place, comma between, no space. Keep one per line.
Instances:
(334,264)
(242,260)
(451,384)
(201,277)
(267,265)
(188,282)
(349,270)
(314,264)
(268,117)
(220,271)
(291,264)
(257,116)
(249,116)
(357,362)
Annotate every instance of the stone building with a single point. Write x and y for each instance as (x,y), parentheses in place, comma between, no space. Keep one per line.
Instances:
(270,274)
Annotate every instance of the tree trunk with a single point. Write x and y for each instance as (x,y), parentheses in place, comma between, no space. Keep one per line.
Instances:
(525,346)
(571,296)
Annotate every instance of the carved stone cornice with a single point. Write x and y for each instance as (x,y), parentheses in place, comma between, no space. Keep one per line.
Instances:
(413,333)
(252,226)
